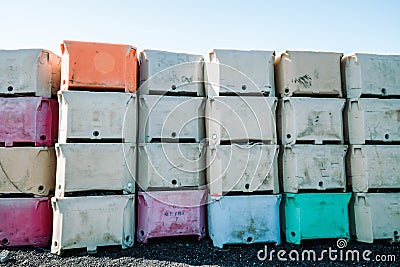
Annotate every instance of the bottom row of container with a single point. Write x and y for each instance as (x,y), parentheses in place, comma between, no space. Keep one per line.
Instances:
(92,221)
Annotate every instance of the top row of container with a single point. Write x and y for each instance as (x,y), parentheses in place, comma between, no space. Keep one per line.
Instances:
(110,67)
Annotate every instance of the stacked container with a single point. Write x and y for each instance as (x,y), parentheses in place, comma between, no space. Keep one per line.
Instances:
(312,156)
(242,149)
(372,115)
(171,161)
(29,79)
(96,150)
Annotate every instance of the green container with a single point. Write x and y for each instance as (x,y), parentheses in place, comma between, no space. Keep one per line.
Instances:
(315,215)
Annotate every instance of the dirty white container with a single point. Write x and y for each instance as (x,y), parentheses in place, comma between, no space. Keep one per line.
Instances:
(95,166)
(229,72)
(167,72)
(93,221)
(29,71)
(310,120)
(313,167)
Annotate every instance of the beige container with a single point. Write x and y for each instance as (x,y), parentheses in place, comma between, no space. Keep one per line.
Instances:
(371,75)
(310,120)
(313,167)
(373,167)
(240,72)
(375,216)
(372,120)
(168,165)
(241,119)
(29,71)
(97,116)
(171,118)
(95,166)
(27,170)
(166,72)
(308,73)
(242,168)
(93,221)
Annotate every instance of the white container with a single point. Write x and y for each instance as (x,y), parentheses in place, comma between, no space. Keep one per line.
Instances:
(166,72)
(308,73)
(372,120)
(375,216)
(240,72)
(171,118)
(93,221)
(313,167)
(97,116)
(310,120)
(373,167)
(242,168)
(95,166)
(167,165)
(29,71)
(241,119)
(371,75)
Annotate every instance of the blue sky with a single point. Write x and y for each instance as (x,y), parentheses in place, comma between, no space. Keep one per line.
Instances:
(199,26)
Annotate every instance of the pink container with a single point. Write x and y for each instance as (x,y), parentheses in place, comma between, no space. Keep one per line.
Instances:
(171,213)
(25,222)
(28,120)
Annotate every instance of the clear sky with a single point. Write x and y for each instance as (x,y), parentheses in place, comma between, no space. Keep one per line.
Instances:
(198,26)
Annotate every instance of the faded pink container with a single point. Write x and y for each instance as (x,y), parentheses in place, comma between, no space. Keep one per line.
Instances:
(28,120)
(25,222)
(171,213)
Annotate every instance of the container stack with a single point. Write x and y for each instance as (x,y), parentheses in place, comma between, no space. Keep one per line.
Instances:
(312,156)
(96,151)
(29,78)
(372,115)
(242,149)
(171,161)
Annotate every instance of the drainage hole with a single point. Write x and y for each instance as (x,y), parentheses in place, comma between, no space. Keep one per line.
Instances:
(287,90)
(40,188)
(288,136)
(173,134)
(59,186)
(249,239)
(10,88)
(173,87)
(395,233)
(55,243)
(96,133)
(42,137)
(127,238)
(5,241)
(293,234)
(174,182)
(244,87)
(141,232)
(383,90)
(247,186)
(321,184)
(387,136)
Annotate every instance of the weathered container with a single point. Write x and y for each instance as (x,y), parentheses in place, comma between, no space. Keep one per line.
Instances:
(371,75)
(98,66)
(244,220)
(171,213)
(375,216)
(310,120)
(241,119)
(93,221)
(240,72)
(313,167)
(171,118)
(32,120)
(97,116)
(27,170)
(373,167)
(315,215)
(95,166)
(25,222)
(167,165)
(167,72)
(242,168)
(308,73)
(372,120)
(29,71)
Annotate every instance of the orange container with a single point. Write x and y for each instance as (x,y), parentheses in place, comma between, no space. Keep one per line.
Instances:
(98,67)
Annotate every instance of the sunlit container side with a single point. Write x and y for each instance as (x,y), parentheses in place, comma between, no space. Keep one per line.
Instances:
(171,213)
(98,66)
(244,220)
(29,71)
(25,222)
(93,221)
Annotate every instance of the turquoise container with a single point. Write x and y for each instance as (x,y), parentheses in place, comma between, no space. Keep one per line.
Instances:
(315,215)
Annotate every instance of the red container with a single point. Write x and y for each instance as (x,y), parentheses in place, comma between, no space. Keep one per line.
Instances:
(28,120)
(25,222)
(171,213)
